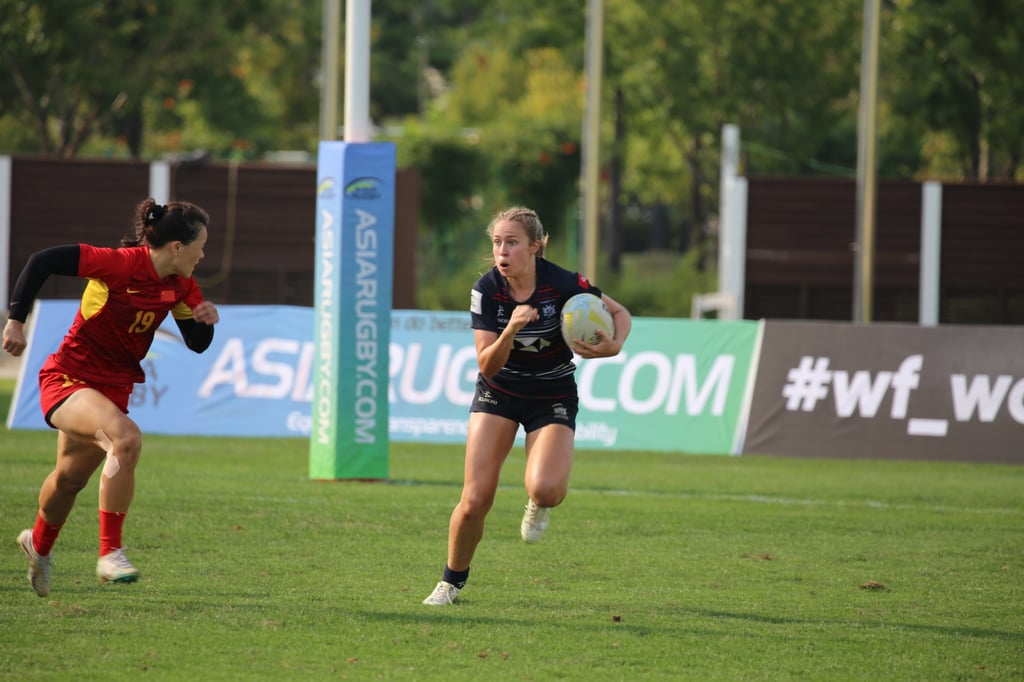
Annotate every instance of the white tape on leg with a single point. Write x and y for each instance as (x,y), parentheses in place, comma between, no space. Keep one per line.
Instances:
(111,466)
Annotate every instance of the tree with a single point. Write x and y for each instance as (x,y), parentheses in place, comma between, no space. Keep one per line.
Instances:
(954,71)
(782,71)
(44,50)
(81,68)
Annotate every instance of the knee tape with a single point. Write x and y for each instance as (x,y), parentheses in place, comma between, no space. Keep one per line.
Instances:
(111,466)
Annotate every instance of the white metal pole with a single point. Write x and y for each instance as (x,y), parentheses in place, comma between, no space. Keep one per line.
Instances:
(357,71)
(591,146)
(728,256)
(738,232)
(160,181)
(931,253)
(864,275)
(329,70)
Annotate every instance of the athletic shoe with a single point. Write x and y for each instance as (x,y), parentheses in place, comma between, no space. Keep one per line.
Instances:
(38,565)
(535,522)
(116,568)
(443,594)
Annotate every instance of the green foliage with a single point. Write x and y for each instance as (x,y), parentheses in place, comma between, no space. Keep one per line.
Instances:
(785,72)
(956,80)
(659,283)
(656,567)
(525,114)
(16,136)
(147,61)
(450,163)
(535,167)
(516,142)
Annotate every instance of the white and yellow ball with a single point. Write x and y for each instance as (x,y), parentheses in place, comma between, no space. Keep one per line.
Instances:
(582,316)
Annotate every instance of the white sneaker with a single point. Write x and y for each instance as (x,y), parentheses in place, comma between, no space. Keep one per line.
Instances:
(116,568)
(38,565)
(443,594)
(535,522)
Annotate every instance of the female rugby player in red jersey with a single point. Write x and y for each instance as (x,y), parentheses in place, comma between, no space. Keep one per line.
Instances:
(84,387)
(526,377)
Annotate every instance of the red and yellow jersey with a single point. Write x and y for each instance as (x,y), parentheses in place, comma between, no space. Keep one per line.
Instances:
(123,305)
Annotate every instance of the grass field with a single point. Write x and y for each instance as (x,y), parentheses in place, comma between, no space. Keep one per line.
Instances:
(656,567)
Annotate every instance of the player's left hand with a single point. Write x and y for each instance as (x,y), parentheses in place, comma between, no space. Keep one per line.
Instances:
(206,313)
(606,347)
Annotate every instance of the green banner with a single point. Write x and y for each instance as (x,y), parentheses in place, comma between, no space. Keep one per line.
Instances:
(678,385)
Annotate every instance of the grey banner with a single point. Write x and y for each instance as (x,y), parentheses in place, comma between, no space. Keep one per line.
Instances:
(889,391)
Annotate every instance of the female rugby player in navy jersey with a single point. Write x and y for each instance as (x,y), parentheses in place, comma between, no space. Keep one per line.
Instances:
(526,377)
(84,387)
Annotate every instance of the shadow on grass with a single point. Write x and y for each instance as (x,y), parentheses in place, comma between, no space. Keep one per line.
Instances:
(946,630)
(467,616)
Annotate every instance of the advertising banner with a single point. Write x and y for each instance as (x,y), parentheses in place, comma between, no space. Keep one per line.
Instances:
(355,226)
(678,386)
(889,391)
(255,379)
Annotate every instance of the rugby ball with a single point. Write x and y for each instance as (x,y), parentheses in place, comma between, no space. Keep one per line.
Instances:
(582,316)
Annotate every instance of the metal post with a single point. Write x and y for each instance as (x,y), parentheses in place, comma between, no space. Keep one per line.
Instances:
(863,295)
(730,258)
(160,181)
(329,70)
(931,253)
(590,149)
(357,71)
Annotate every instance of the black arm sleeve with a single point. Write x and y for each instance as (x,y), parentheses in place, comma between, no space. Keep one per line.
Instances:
(198,336)
(56,260)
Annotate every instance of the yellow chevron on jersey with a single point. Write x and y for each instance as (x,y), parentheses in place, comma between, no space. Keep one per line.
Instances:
(94,297)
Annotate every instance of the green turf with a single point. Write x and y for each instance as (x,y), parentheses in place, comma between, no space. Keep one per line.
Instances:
(656,567)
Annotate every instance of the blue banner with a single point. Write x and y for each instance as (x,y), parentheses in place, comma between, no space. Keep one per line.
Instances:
(253,380)
(677,387)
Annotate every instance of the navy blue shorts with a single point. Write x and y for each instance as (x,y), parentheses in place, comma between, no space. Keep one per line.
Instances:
(532,413)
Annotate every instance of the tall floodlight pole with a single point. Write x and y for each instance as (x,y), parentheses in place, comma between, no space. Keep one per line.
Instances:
(590,149)
(867,181)
(329,70)
(357,71)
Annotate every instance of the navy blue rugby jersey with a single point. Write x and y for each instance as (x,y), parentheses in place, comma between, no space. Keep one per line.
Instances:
(540,364)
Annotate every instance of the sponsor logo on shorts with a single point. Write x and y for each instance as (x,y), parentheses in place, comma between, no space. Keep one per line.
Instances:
(69,381)
(486,397)
(560,412)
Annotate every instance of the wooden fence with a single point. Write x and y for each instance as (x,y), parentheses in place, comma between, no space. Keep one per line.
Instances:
(800,234)
(800,260)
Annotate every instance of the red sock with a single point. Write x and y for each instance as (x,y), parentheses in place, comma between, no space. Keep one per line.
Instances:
(110,531)
(44,535)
